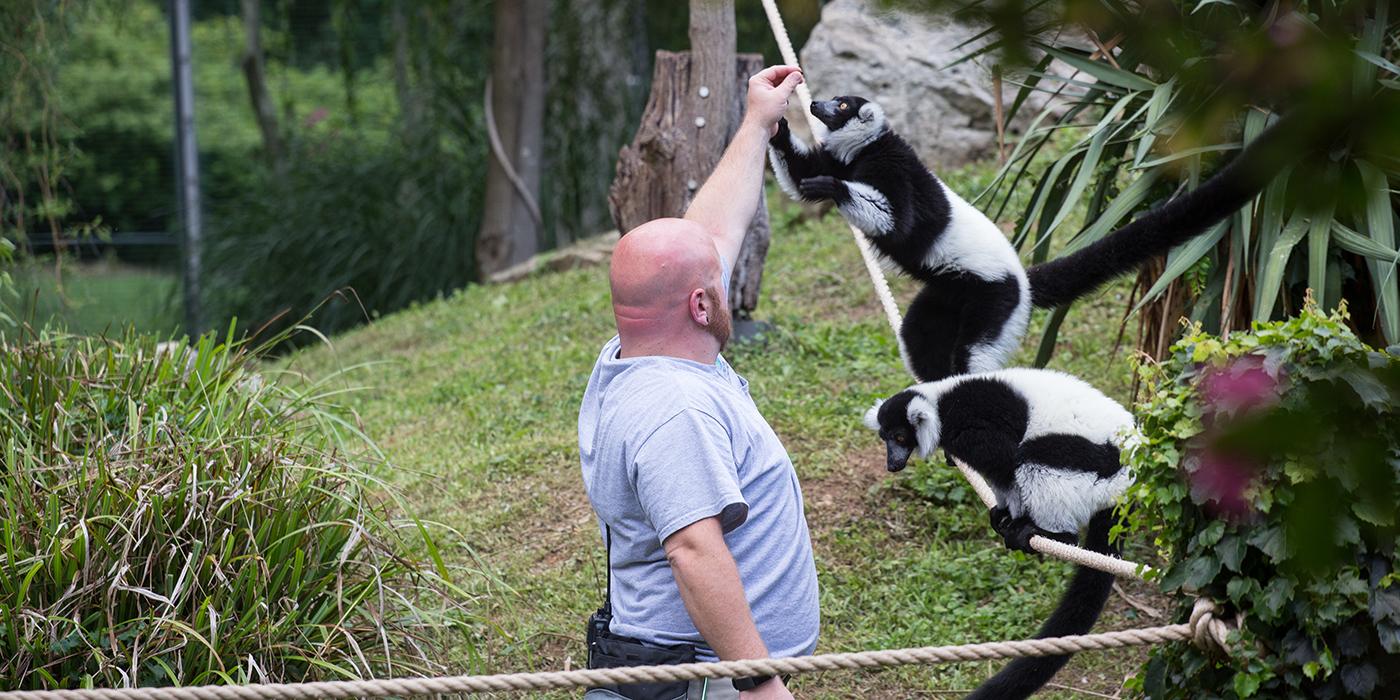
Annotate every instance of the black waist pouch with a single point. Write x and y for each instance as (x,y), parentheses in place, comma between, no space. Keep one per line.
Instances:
(608,650)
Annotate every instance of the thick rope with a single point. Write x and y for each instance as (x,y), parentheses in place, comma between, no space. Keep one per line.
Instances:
(1059,550)
(1203,627)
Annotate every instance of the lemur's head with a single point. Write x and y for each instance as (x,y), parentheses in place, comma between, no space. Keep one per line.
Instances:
(853,122)
(908,422)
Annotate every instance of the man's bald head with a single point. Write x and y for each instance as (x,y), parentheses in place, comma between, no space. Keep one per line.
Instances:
(657,269)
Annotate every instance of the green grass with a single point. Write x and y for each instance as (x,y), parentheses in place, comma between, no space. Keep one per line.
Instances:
(101,298)
(474,400)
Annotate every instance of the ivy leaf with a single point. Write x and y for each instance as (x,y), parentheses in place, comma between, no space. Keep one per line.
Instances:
(1246,684)
(1360,679)
(1269,540)
(1211,534)
(1374,513)
(1277,594)
(1201,571)
(1232,550)
(1346,531)
(1369,387)
(1389,634)
(1240,588)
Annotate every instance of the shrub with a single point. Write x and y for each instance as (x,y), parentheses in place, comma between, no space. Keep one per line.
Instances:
(395,224)
(1268,471)
(176,518)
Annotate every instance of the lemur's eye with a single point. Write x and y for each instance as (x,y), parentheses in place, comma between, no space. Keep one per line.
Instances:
(843,106)
(900,439)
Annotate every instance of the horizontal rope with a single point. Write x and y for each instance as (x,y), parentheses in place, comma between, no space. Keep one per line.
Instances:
(1202,628)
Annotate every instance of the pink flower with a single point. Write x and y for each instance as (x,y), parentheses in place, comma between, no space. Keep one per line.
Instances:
(1242,385)
(1221,482)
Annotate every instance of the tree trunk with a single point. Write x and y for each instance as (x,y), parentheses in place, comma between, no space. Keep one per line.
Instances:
(671,155)
(510,233)
(410,111)
(255,76)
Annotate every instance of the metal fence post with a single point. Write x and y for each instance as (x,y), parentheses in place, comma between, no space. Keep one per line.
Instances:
(186,160)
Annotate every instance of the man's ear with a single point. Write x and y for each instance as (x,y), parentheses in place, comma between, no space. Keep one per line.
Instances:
(701,306)
(872,416)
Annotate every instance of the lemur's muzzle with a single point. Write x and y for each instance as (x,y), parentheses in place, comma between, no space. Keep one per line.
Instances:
(896,456)
(825,111)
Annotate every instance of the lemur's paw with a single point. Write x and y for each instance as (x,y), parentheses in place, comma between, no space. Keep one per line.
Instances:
(821,187)
(1001,519)
(1018,534)
(783,134)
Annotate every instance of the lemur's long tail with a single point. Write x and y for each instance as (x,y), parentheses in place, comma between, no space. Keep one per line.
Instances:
(1065,279)
(1077,612)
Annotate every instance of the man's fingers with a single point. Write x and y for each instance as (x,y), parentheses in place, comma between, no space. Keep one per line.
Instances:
(773,75)
(791,82)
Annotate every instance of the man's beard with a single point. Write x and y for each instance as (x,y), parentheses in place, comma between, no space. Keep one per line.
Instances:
(720,325)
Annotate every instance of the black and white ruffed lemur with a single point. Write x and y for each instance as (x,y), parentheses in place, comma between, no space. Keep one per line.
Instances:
(972,312)
(1048,445)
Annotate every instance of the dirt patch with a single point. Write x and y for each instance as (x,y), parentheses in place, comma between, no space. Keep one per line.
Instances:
(844,495)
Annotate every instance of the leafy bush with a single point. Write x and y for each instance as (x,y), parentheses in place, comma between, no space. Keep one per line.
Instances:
(173,517)
(1269,471)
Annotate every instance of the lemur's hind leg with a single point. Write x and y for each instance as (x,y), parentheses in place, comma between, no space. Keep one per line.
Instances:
(1018,534)
(929,332)
(984,340)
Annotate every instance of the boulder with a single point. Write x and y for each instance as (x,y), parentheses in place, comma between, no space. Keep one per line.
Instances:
(897,58)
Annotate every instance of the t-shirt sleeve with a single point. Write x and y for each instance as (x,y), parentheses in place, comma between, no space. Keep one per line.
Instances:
(685,472)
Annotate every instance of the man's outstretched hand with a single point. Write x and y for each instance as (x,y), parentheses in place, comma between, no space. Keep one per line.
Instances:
(769,91)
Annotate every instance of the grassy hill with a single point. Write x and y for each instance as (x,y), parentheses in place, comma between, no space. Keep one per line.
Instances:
(474,398)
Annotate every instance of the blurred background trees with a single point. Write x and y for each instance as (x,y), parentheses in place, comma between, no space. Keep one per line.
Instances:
(343,145)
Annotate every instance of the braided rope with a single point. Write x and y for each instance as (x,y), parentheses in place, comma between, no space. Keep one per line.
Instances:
(1059,550)
(1203,628)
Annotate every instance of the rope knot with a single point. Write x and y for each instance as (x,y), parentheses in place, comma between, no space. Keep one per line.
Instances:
(1207,630)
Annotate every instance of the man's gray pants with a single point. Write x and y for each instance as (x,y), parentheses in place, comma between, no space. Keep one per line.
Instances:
(703,689)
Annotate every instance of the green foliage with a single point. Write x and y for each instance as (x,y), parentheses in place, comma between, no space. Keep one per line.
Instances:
(1268,471)
(386,226)
(1189,83)
(172,516)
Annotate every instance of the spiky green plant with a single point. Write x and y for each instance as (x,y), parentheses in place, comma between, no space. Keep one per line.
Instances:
(171,516)
(1158,93)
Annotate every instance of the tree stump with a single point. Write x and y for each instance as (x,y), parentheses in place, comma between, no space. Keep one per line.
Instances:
(673,153)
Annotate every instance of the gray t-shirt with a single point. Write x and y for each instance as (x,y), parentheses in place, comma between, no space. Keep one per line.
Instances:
(666,442)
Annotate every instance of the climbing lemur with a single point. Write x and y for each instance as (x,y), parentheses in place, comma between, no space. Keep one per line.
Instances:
(972,312)
(1048,445)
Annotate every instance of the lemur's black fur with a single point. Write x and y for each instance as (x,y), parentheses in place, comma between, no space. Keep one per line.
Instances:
(972,313)
(1048,445)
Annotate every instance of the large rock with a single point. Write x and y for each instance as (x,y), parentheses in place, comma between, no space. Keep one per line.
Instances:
(896,58)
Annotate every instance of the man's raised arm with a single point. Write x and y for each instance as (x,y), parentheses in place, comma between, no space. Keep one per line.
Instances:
(725,205)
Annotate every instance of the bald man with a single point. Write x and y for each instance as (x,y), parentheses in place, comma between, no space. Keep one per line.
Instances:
(695,496)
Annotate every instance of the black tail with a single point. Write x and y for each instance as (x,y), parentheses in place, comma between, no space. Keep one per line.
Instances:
(1077,612)
(1065,279)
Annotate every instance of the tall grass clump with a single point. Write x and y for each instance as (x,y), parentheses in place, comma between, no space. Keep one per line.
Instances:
(171,516)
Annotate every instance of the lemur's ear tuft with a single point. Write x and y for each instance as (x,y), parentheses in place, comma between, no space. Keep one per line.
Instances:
(870,111)
(872,416)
